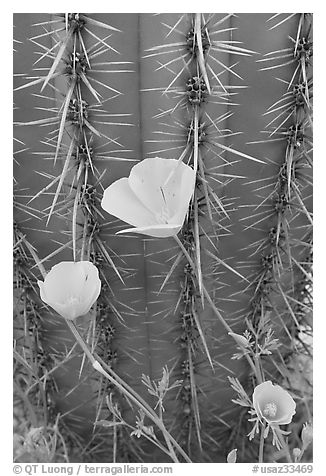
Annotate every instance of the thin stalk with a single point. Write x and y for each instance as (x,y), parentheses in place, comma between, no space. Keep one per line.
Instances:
(261,443)
(253,367)
(156,443)
(125,389)
(115,440)
(144,405)
(285,447)
(97,366)
(258,371)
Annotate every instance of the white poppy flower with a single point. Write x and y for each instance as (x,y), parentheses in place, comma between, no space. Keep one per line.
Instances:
(273,404)
(152,199)
(71,288)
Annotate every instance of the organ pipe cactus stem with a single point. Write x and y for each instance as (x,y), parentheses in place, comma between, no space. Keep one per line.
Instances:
(195,95)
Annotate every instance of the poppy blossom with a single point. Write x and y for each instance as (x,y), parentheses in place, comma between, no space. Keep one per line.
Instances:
(273,404)
(71,288)
(154,199)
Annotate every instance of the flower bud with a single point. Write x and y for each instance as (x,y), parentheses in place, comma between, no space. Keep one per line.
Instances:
(296,454)
(242,341)
(232,456)
(71,288)
(306,435)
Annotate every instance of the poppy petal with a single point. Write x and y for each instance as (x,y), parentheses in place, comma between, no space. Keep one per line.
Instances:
(92,283)
(157,231)
(185,184)
(65,279)
(179,188)
(146,180)
(67,311)
(120,201)
(42,291)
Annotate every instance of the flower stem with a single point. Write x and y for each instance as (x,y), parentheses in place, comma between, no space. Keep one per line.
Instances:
(97,366)
(261,443)
(127,391)
(253,366)
(258,371)
(80,341)
(143,405)
(285,447)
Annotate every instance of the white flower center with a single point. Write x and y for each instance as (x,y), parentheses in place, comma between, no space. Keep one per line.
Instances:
(270,410)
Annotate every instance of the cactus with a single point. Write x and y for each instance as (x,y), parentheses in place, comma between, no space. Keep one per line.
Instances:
(184,323)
